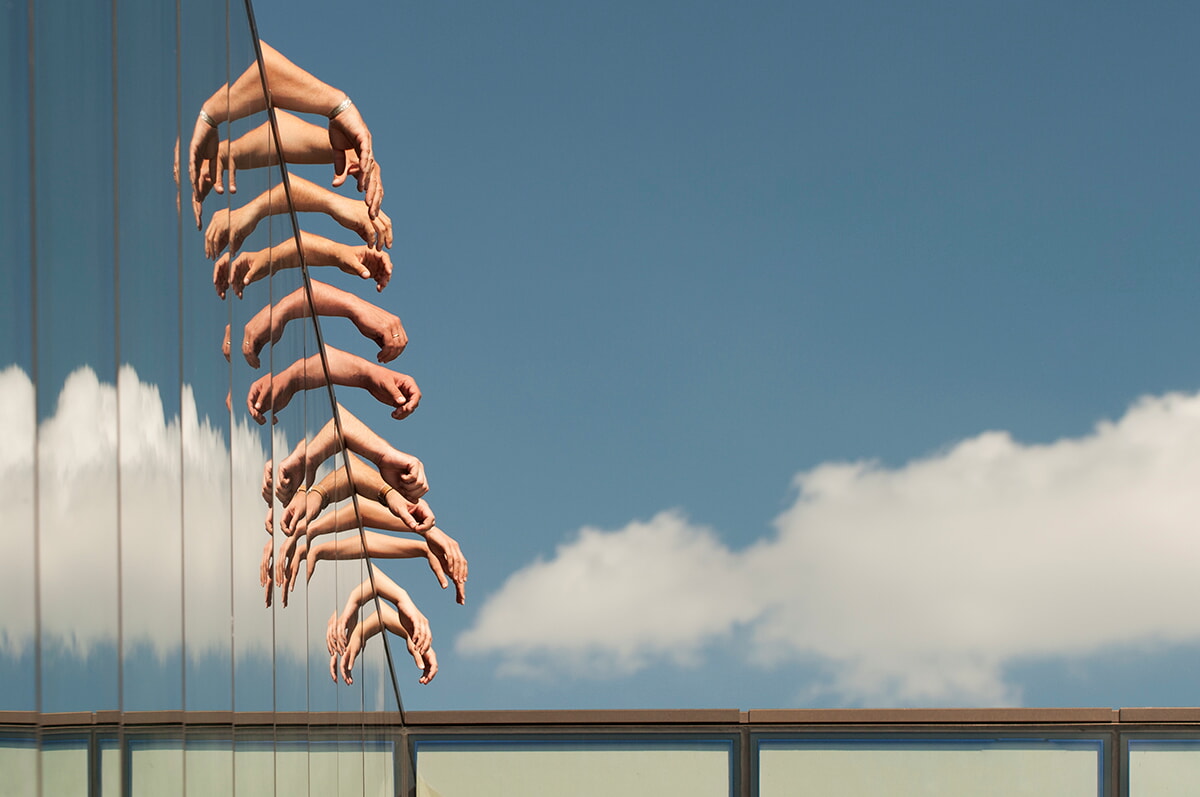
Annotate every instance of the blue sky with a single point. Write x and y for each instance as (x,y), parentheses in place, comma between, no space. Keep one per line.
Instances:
(665,265)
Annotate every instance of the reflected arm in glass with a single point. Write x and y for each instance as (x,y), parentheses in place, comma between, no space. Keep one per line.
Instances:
(248,267)
(379,584)
(306,506)
(402,471)
(373,322)
(387,617)
(302,143)
(443,552)
(229,227)
(293,89)
(272,392)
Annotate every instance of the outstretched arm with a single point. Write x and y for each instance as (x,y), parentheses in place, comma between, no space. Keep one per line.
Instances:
(373,322)
(363,479)
(385,617)
(275,391)
(379,584)
(293,89)
(248,267)
(232,226)
(443,552)
(402,471)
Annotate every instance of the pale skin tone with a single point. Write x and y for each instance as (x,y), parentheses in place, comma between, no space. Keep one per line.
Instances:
(440,546)
(292,89)
(364,480)
(247,267)
(439,549)
(373,322)
(387,617)
(232,226)
(302,143)
(338,635)
(402,471)
(274,392)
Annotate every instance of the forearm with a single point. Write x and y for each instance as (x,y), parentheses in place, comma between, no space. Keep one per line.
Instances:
(360,439)
(302,143)
(320,251)
(349,369)
(295,89)
(378,546)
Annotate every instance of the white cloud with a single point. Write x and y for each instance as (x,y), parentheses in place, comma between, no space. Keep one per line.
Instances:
(915,585)
(171,560)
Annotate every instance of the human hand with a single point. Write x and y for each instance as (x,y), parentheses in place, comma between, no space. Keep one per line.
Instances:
(303,507)
(435,565)
(333,642)
(404,472)
(375,231)
(297,556)
(292,472)
(229,227)
(367,263)
(266,482)
(255,334)
(382,327)
(348,131)
(264,570)
(349,655)
(207,180)
(225,344)
(346,623)
(393,388)
(416,515)
(287,565)
(425,660)
(202,161)
(448,552)
(371,186)
(246,267)
(268,393)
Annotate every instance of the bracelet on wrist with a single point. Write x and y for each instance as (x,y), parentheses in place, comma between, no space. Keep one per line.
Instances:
(341,106)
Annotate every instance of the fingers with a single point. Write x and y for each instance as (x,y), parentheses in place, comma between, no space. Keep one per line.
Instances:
(407,396)
(217,234)
(422,514)
(225,344)
(232,164)
(438,571)
(382,231)
(431,666)
(266,482)
(259,395)
(460,592)
(339,166)
(347,663)
(250,348)
(372,187)
(221,275)
(331,634)
(392,340)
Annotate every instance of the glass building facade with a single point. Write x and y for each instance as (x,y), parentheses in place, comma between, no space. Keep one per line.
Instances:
(142,650)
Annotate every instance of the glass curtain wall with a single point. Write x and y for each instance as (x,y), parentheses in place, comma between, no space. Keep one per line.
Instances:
(151,562)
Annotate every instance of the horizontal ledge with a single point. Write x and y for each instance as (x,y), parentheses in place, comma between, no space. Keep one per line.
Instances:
(1180,714)
(928,716)
(730,716)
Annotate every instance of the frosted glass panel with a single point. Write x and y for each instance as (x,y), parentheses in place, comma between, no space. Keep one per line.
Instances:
(18,762)
(500,769)
(952,768)
(1164,768)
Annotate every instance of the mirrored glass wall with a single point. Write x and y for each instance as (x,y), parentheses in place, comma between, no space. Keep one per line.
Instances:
(183,522)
